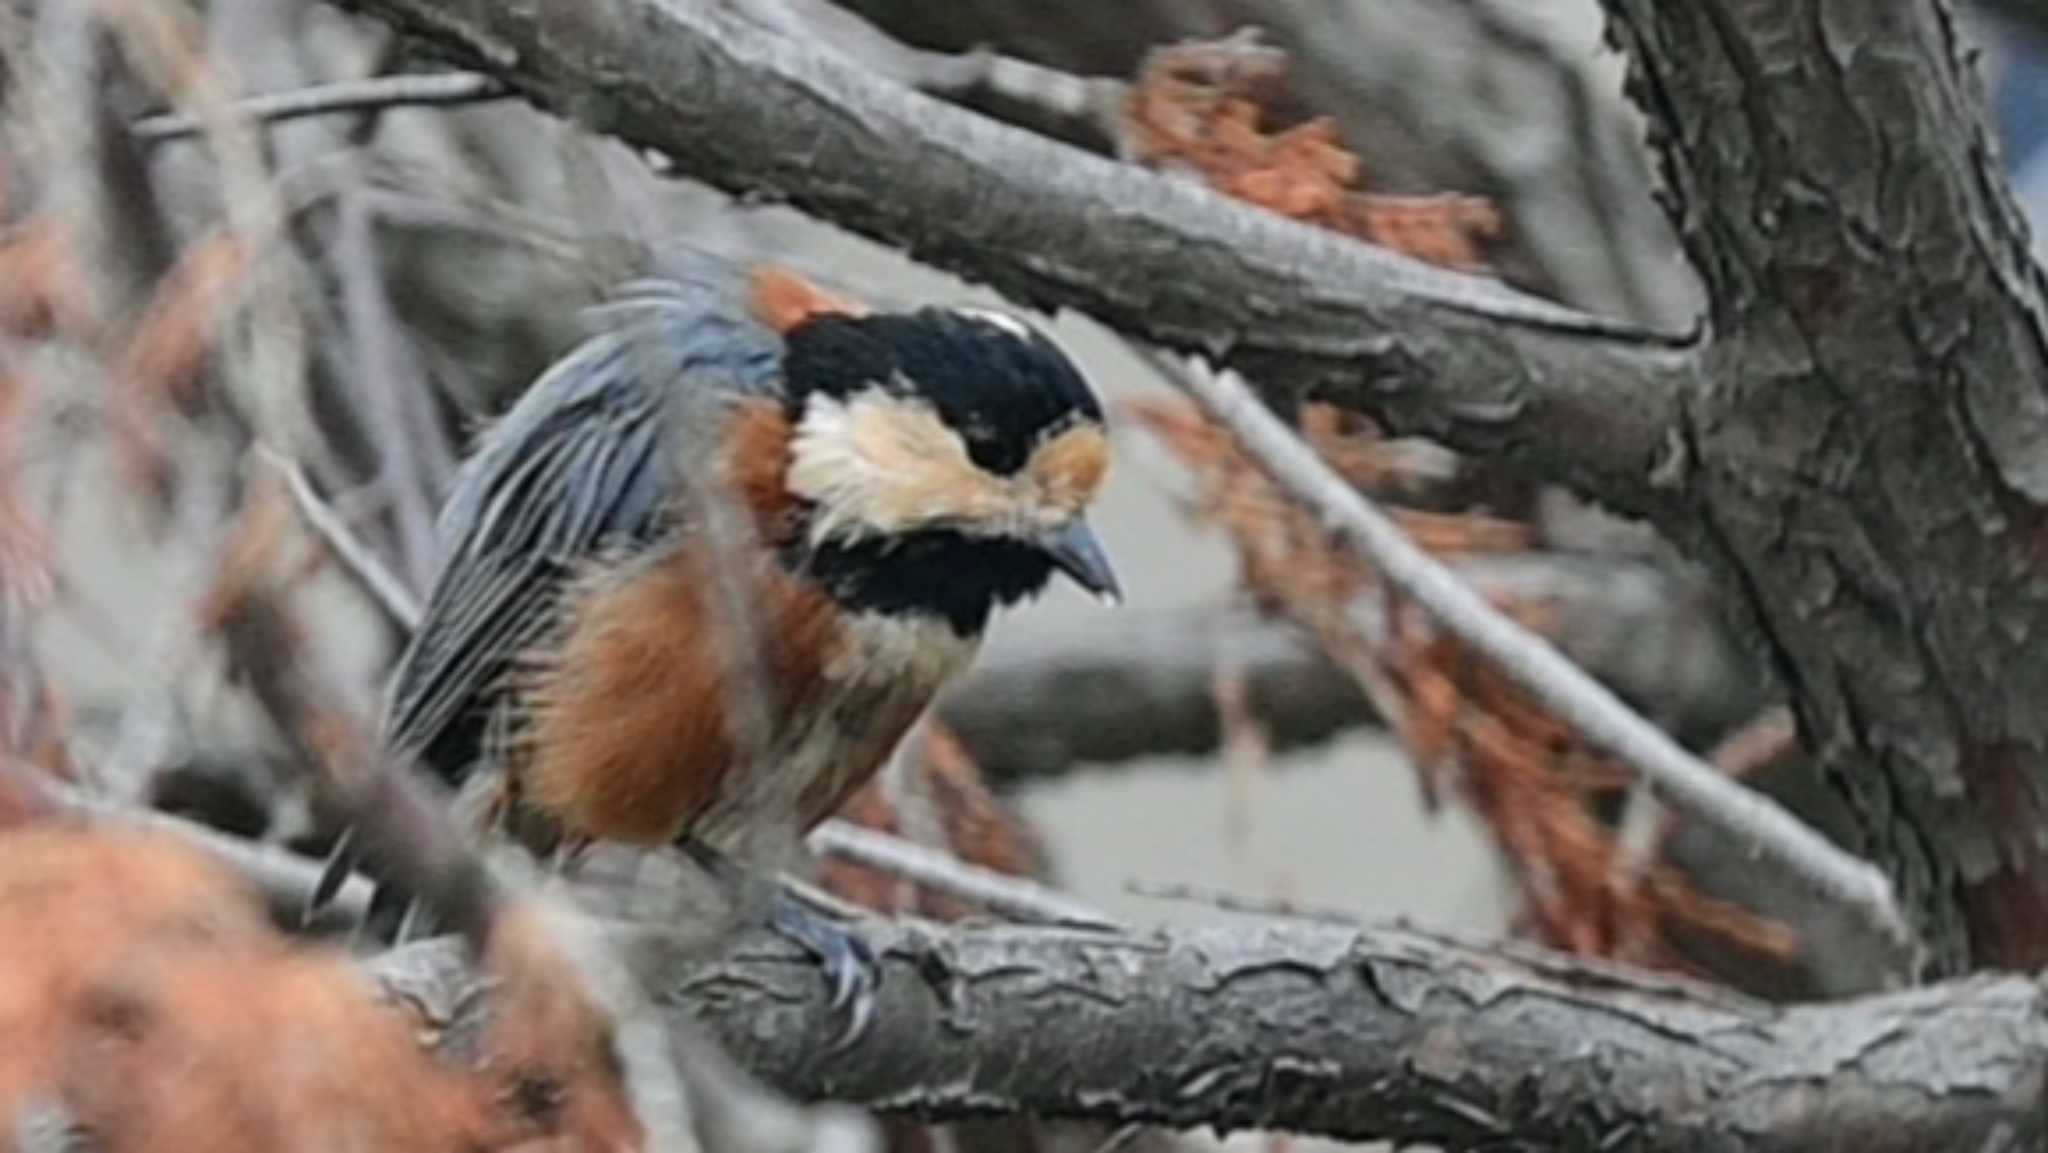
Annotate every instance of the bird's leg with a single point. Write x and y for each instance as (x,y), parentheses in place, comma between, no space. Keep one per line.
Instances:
(846,958)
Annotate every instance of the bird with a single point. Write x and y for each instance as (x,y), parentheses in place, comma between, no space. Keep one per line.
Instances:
(741,482)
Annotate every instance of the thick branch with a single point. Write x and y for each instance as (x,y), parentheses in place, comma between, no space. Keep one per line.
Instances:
(1459,358)
(1873,469)
(1363,1033)
(1141,685)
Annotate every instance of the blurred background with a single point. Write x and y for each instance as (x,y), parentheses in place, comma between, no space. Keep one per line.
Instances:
(1209,744)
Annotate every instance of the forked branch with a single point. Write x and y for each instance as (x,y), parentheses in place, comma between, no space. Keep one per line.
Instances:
(1536,666)
(740,107)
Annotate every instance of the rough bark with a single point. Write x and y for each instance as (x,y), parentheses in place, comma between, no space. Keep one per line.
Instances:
(1457,358)
(1869,465)
(1499,97)
(1864,469)
(1358,1033)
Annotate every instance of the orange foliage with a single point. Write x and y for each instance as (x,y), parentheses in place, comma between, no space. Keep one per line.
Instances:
(162,359)
(1200,108)
(1529,777)
(1463,723)
(24,544)
(148,1003)
(41,286)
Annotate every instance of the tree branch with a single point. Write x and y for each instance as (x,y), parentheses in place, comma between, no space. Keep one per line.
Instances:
(1018,898)
(1142,685)
(1360,1033)
(373,93)
(1546,674)
(1465,360)
(1872,470)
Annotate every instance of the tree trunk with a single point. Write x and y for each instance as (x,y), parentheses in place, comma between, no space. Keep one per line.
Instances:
(1867,467)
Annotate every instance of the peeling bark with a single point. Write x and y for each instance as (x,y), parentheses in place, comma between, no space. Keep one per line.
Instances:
(1359,1033)
(1860,454)
(1863,471)
(1871,463)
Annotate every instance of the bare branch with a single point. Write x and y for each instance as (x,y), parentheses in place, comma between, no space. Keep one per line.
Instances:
(1093,101)
(1139,685)
(373,94)
(388,374)
(1014,897)
(285,879)
(390,593)
(1455,357)
(1363,1033)
(1547,674)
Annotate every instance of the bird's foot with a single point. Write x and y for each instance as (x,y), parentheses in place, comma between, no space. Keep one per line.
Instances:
(847,959)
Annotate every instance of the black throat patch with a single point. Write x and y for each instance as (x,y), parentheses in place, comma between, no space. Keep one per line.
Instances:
(1002,387)
(936,573)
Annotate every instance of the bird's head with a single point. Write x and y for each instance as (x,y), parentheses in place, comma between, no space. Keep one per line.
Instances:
(950,447)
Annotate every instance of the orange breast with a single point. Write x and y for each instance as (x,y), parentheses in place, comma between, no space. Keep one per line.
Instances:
(631,725)
(631,734)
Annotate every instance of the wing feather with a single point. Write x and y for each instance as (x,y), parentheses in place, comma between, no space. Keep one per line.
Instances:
(586,464)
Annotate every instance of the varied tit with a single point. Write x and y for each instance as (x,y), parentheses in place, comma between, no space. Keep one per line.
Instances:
(898,476)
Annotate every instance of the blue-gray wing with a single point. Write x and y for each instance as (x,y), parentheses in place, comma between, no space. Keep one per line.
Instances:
(585,464)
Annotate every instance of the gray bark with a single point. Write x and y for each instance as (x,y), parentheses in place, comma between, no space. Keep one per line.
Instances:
(1856,452)
(1868,468)
(1453,357)
(1501,97)
(1357,1033)
(1858,447)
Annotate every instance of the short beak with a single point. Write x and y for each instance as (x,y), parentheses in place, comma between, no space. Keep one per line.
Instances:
(1079,555)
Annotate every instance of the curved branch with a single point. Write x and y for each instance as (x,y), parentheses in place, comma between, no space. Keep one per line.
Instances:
(1363,1033)
(1566,690)
(1463,359)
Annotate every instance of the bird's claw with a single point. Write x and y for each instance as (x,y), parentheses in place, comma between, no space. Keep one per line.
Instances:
(847,959)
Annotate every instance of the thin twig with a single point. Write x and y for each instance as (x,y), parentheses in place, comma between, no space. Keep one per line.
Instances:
(372,94)
(1238,903)
(1648,825)
(391,593)
(1537,667)
(389,376)
(266,369)
(285,878)
(998,892)
(1097,102)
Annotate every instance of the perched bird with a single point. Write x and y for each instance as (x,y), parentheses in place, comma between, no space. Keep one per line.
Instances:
(894,477)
